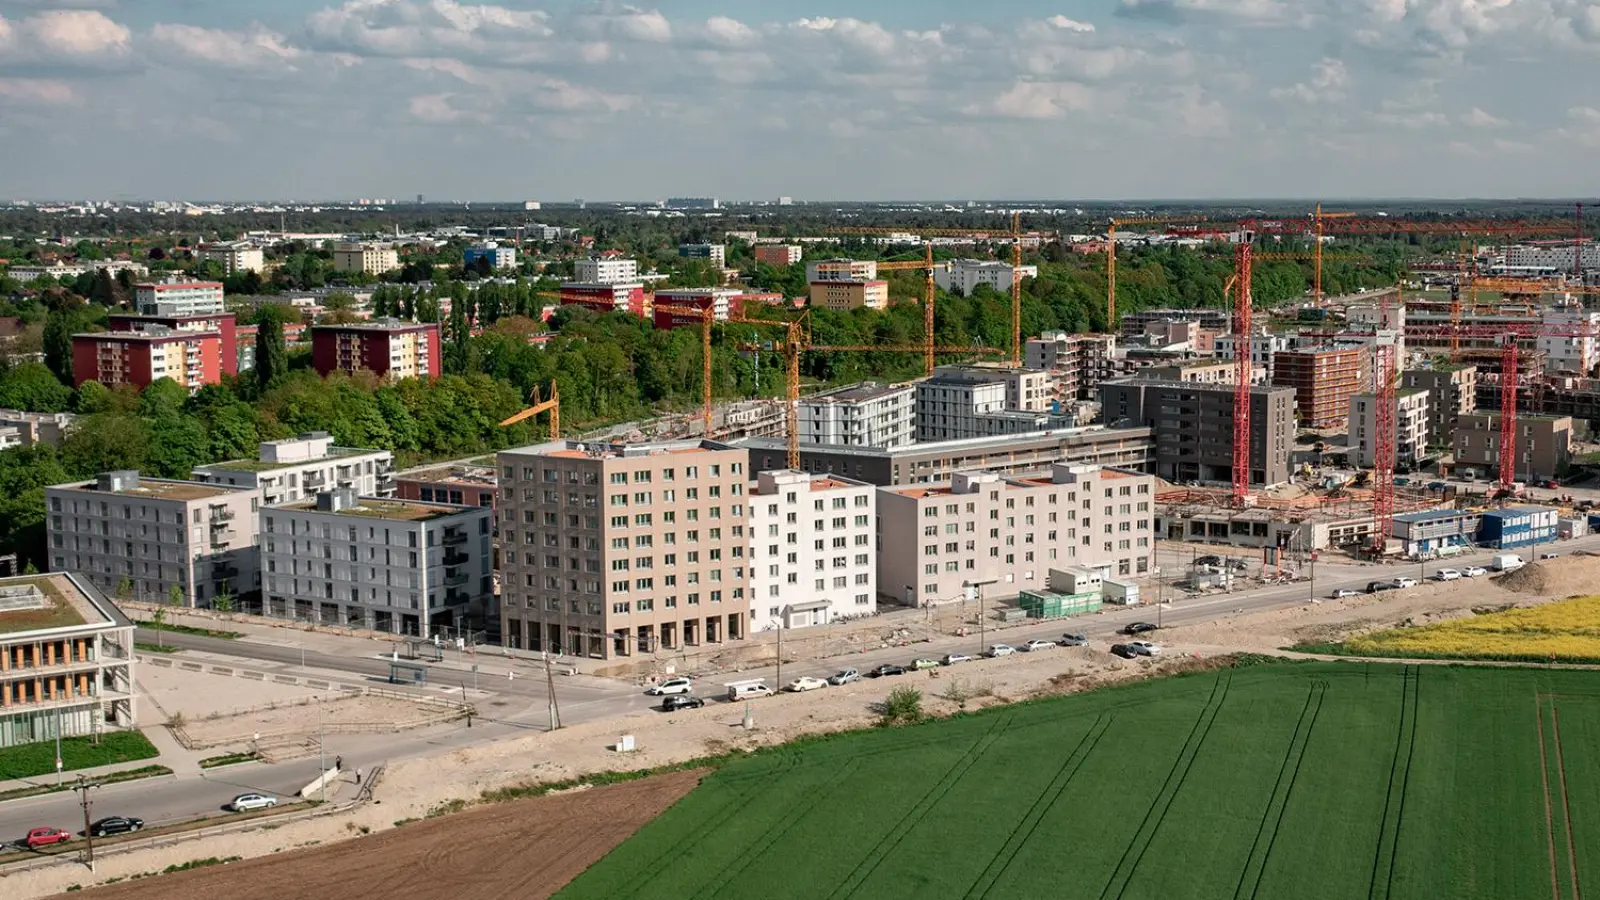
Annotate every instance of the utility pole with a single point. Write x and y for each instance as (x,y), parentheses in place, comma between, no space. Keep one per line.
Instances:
(977,590)
(83,787)
(780,655)
(58,748)
(550,688)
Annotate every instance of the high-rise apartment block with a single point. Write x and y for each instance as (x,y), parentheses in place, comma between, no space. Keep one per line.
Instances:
(812,550)
(365,256)
(1410,426)
(1543,445)
(1078,362)
(190,358)
(607,296)
(1452,392)
(233,256)
(847,295)
(611,550)
(863,415)
(1323,382)
(143,536)
(777,254)
(721,301)
(605,270)
(389,348)
(178,298)
(959,402)
(1193,425)
(224,324)
(298,468)
(396,566)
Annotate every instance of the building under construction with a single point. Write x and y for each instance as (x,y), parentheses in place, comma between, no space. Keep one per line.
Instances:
(1323,380)
(1297,518)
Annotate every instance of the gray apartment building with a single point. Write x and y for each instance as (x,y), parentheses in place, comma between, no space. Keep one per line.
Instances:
(958,402)
(862,415)
(142,535)
(298,468)
(1452,393)
(1543,445)
(612,550)
(1193,427)
(1078,362)
(397,566)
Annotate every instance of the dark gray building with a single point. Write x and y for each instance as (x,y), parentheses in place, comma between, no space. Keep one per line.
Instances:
(938,461)
(1452,393)
(1193,425)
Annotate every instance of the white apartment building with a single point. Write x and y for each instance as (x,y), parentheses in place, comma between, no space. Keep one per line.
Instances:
(960,402)
(842,270)
(812,556)
(1569,339)
(864,415)
(299,468)
(1552,256)
(717,253)
(934,540)
(606,270)
(1078,362)
(233,256)
(396,566)
(961,276)
(178,298)
(1264,347)
(60,270)
(721,300)
(365,256)
(141,536)
(1410,426)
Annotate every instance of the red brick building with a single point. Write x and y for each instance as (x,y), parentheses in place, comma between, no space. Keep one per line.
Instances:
(224,324)
(388,348)
(606,297)
(722,301)
(191,358)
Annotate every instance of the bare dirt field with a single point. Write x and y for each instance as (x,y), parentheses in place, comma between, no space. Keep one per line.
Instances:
(525,849)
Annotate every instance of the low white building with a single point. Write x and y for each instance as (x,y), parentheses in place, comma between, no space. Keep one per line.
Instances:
(233,256)
(840,269)
(863,415)
(1410,425)
(812,558)
(1264,347)
(961,276)
(298,468)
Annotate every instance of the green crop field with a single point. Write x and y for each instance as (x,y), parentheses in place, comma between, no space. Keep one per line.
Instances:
(1324,780)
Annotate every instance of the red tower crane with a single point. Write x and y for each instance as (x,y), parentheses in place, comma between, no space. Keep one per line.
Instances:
(1241,375)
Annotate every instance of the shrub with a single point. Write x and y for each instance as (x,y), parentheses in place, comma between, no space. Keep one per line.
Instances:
(904,707)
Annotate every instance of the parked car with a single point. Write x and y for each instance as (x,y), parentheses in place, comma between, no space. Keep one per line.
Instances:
(805,683)
(115,825)
(1001,650)
(918,665)
(1446,575)
(951,659)
(748,690)
(1474,571)
(1405,582)
(1123,650)
(1033,645)
(1375,586)
(1208,560)
(1138,627)
(671,686)
(1341,593)
(674,702)
(1074,640)
(247,802)
(44,837)
(1548,555)
(844,676)
(1238,565)
(1144,648)
(886,669)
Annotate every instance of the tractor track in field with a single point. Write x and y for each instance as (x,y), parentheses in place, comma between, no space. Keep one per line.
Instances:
(1544,776)
(1023,832)
(919,810)
(1282,789)
(1405,746)
(778,829)
(1134,853)
(1566,803)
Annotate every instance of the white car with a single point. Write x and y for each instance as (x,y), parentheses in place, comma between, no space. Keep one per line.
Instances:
(1405,582)
(1446,575)
(247,802)
(1001,650)
(951,659)
(671,686)
(805,683)
(1474,571)
(1145,648)
(1031,646)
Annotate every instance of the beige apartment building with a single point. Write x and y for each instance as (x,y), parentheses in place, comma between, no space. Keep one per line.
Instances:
(371,258)
(613,550)
(934,540)
(846,295)
(1543,445)
(144,535)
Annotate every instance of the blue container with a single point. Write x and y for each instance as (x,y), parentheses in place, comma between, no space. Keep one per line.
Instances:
(1518,526)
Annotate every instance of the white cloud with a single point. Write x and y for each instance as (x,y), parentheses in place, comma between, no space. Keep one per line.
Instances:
(1480,119)
(1073,25)
(79,32)
(1038,100)
(36,91)
(1255,11)
(1329,79)
(435,108)
(233,49)
(729,32)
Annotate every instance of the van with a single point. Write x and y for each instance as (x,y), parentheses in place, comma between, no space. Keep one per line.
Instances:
(1506,562)
(748,690)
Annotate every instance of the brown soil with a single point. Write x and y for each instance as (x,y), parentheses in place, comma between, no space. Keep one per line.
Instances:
(522,850)
(1556,577)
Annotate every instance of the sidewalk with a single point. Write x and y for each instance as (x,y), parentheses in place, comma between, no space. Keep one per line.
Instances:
(183,763)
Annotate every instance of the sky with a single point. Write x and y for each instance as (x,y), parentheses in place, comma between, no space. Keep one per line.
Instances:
(829,100)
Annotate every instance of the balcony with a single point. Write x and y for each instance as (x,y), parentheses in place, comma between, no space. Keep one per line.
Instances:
(222,537)
(456,579)
(454,538)
(220,517)
(314,480)
(225,570)
(455,558)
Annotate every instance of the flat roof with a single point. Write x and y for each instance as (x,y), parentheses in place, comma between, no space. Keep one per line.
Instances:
(858,393)
(960,445)
(379,508)
(260,465)
(477,476)
(565,449)
(69,602)
(1214,387)
(1432,514)
(159,489)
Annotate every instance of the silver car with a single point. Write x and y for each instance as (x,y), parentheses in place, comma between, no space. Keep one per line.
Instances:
(247,802)
(844,676)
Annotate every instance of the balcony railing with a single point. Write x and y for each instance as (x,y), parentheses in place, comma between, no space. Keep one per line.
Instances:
(456,580)
(455,558)
(454,538)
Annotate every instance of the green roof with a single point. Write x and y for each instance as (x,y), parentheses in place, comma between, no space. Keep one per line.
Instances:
(258,465)
(58,611)
(373,508)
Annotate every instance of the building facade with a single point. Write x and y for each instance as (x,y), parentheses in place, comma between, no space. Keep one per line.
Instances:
(1452,392)
(224,324)
(863,415)
(1543,445)
(840,269)
(143,536)
(612,550)
(605,270)
(233,256)
(178,298)
(365,256)
(812,556)
(1410,425)
(1078,362)
(845,295)
(721,301)
(498,258)
(193,359)
(396,566)
(777,254)
(388,348)
(717,253)
(1323,382)
(605,297)
(959,402)
(1193,427)
(961,276)
(74,678)
(1570,340)
(294,469)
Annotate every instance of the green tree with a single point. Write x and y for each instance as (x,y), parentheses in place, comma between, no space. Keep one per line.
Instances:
(33,387)
(59,327)
(272,355)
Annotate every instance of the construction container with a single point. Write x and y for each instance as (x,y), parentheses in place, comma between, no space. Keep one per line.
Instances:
(1573,527)
(1049,605)
(1123,593)
(1518,526)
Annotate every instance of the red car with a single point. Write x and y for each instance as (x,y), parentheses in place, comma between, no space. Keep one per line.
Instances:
(44,837)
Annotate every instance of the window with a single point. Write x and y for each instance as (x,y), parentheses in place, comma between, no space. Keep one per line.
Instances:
(620,609)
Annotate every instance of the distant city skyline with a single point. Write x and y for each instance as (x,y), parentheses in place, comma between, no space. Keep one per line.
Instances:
(831,101)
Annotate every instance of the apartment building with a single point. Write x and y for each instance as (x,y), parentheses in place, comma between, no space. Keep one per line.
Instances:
(1192,426)
(933,540)
(65,271)
(1410,425)
(1569,340)
(961,276)
(1078,362)
(607,296)
(862,415)
(1134,323)
(33,428)
(138,358)
(605,270)
(812,558)
(1543,445)
(365,256)
(224,324)
(141,536)
(845,295)
(389,348)
(721,301)
(497,257)
(1452,391)
(1196,371)
(297,468)
(72,677)
(233,256)
(611,550)
(959,402)
(717,253)
(777,254)
(1323,382)
(178,298)
(1264,349)
(460,485)
(396,566)
(840,269)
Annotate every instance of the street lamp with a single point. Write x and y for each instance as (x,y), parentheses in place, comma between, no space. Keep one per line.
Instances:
(975,590)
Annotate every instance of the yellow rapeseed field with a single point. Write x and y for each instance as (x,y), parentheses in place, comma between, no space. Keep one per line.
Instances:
(1568,629)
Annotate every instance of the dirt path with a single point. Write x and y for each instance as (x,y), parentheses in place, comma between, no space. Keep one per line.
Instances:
(523,850)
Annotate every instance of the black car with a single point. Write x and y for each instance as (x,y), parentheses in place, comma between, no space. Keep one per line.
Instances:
(1375,586)
(673,702)
(1208,561)
(115,825)
(886,669)
(1138,627)
(1124,651)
